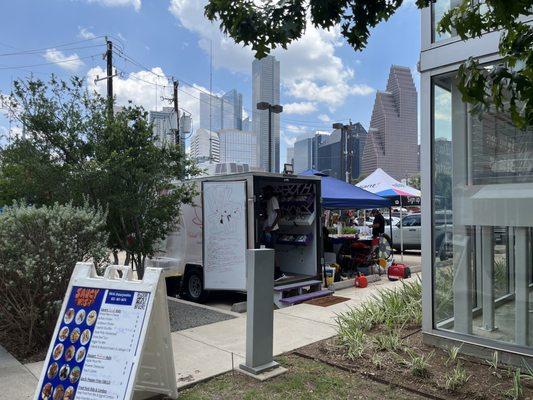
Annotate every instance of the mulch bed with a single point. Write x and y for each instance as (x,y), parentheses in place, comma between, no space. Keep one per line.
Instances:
(484,383)
(327,301)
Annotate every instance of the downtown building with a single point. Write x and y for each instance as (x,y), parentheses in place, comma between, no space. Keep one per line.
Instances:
(339,154)
(266,88)
(237,146)
(392,142)
(223,112)
(164,125)
(477,192)
(205,146)
(305,154)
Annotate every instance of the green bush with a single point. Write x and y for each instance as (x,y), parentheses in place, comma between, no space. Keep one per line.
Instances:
(39,248)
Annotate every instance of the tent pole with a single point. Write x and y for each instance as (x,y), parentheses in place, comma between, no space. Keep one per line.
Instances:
(390,225)
(401,229)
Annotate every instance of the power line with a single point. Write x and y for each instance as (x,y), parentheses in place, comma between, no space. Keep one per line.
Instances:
(48,63)
(30,52)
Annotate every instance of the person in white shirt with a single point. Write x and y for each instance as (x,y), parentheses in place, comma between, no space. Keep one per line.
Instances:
(271,227)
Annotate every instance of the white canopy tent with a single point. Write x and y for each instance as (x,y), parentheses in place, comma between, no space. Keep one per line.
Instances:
(384,185)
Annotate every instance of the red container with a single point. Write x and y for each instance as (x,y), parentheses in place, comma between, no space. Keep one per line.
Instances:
(361,281)
(398,271)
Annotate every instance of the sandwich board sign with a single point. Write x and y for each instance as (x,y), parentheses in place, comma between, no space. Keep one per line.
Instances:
(111,340)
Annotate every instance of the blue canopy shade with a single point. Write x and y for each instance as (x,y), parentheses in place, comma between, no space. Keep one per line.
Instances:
(337,194)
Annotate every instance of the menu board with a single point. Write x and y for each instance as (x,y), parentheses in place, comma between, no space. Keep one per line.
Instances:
(94,352)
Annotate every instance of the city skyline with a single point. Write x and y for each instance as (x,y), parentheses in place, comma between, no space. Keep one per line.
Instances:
(312,95)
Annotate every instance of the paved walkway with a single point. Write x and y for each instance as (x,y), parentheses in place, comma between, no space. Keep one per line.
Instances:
(210,350)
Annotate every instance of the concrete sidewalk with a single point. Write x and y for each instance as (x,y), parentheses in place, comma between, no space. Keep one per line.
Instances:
(210,350)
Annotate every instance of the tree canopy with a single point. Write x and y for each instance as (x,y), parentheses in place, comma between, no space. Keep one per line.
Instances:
(73,150)
(508,86)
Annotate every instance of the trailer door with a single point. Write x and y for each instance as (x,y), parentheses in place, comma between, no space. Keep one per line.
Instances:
(224,234)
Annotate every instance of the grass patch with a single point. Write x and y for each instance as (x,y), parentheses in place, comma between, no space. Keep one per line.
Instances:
(305,379)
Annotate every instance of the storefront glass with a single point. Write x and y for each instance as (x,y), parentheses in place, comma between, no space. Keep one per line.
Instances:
(482,188)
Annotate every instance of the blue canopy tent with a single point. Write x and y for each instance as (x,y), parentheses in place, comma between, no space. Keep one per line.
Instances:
(337,194)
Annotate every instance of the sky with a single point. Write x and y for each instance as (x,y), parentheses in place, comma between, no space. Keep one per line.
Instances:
(323,80)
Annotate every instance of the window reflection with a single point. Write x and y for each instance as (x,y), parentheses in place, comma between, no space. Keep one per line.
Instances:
(482,189)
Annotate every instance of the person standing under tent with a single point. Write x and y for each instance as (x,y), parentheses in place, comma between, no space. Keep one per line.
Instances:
(378,225)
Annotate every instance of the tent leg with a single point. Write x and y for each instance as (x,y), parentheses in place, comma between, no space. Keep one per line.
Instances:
(401,230)
(390,226)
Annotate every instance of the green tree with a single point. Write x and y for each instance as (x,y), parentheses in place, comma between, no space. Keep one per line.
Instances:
(508,86)
(74,150)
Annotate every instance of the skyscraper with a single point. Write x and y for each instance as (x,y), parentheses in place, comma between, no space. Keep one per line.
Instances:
(226,111)
(392,142)
(266,88)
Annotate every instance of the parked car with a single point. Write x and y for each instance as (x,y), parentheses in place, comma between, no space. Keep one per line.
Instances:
(412,225)
(410,228)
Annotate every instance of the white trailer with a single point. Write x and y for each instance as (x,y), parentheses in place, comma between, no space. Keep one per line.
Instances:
(207,252)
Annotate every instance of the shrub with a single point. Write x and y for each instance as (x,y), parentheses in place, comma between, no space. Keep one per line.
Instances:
(39,248)
(393,308)
(419,364)
(456,378)
(387,341)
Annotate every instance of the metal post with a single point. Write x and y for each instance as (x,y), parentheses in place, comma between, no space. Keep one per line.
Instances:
(521,286)
(487,271)
(260,314)
(270,139)
(401,229)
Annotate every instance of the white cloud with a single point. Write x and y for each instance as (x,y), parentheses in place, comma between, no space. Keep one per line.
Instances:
(310,70)
(295,129)
(84,33)
(140,88)
(136,4)
(289,141)
(324,118)
(69,62)
(305,107)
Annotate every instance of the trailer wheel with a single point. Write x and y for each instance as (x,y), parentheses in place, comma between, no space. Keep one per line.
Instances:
(193,286)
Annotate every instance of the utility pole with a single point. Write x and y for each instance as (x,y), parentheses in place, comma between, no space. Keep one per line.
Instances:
(109,59)
(176,110)
(349,149)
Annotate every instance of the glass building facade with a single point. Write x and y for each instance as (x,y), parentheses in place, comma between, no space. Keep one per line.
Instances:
(477,185)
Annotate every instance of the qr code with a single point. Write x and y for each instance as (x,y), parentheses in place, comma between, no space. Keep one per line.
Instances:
(140,302)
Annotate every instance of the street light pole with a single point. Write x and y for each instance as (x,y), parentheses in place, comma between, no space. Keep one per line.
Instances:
(272,108)
(269,139)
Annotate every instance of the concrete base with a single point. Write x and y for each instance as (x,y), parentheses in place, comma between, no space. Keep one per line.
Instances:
(239,307)
(265,375)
